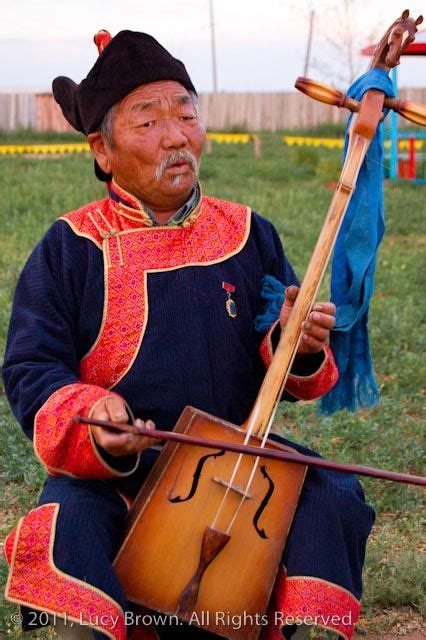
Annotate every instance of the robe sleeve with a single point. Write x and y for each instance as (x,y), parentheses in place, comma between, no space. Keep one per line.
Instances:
(311,376)
(40,368)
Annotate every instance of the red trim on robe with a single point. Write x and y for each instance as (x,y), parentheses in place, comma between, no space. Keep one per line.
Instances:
(304,387)
(318,383)
(219,232)
(36,582)
(66,448)
(127,198)
(311,599)
(265,350)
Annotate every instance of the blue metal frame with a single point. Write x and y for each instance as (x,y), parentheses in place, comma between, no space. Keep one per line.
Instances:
(393,131)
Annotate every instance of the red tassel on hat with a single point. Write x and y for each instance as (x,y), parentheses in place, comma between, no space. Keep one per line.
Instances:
(101,39)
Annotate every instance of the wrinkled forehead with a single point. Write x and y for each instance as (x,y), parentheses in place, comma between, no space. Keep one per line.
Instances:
(155,94)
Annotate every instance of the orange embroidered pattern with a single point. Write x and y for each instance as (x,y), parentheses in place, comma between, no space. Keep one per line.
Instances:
(63,447)
(308,598)
(36,582)
(219,232)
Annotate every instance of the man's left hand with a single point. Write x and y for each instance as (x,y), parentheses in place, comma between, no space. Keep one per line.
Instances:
(316,329)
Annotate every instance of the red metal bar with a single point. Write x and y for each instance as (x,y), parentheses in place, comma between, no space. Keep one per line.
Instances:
(411,159)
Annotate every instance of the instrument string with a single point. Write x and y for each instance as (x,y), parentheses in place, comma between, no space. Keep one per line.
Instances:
(269,425)
(262,445)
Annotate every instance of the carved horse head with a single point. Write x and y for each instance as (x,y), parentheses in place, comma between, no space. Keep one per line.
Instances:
(396,39)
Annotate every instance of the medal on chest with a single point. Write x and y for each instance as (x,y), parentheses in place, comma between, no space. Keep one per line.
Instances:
(231,307)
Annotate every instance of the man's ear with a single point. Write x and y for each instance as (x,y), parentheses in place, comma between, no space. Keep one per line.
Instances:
(99,148)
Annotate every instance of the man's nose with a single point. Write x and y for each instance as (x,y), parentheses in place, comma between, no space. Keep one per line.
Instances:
(173,135)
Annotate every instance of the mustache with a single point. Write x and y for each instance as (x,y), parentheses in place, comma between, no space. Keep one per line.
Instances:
(177,156)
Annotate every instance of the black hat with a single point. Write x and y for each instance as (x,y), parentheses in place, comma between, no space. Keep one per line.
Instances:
(129,60)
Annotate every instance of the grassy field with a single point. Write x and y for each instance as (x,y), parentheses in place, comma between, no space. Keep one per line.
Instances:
(288,186)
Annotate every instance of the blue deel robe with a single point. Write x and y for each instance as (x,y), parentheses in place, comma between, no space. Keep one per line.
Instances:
(193,353)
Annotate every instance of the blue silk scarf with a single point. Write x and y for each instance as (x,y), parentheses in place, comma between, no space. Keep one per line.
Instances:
(353,267)
(352,273)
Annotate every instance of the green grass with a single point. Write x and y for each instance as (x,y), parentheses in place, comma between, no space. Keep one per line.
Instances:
(28,136)
(287,185)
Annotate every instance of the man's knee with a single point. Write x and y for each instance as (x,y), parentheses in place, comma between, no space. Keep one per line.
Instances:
(90,519)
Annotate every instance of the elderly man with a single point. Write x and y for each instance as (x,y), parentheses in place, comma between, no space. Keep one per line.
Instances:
(147,301)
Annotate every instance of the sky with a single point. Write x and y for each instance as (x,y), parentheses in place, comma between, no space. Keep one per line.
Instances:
(260,45)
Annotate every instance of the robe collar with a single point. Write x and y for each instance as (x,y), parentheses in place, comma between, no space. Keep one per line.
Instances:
(134,208)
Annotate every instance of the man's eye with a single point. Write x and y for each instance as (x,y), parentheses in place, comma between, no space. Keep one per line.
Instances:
(187,118)
(148,124)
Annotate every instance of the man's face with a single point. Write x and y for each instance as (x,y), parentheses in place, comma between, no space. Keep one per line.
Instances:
(157,144)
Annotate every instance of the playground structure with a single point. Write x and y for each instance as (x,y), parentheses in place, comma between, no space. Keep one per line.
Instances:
(407,156)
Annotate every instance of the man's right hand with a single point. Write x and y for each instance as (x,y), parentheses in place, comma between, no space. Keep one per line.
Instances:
(113,409)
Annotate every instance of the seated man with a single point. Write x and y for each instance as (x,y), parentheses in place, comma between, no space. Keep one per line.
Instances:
(147,300)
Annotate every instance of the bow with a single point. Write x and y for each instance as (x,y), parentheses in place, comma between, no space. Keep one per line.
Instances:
(250,450)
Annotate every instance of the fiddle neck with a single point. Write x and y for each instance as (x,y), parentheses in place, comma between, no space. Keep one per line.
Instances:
(263,411)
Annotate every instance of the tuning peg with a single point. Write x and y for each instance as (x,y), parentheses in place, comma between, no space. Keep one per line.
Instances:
(324,93)
(411,111)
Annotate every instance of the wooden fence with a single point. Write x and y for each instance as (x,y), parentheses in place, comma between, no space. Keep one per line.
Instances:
(219,111)
(17,110)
